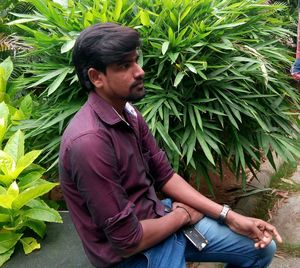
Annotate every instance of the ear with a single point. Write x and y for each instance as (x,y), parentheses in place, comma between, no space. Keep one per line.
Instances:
(95,77)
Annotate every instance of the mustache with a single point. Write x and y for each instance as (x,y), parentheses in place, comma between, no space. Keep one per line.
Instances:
(137,83)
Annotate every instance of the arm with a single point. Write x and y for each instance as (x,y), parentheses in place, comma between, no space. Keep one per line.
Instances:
(260,231)
(156,230)
(178,189)
(96,175)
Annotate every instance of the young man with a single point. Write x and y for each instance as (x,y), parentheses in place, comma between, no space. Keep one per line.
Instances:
(111,168)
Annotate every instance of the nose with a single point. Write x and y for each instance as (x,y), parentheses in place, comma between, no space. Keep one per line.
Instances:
(138,72)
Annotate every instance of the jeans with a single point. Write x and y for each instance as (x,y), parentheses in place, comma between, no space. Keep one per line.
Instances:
(223,246)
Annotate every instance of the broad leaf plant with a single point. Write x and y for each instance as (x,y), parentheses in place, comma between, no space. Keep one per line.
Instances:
(21,183)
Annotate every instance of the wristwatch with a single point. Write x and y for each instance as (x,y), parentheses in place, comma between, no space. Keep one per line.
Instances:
(224,213)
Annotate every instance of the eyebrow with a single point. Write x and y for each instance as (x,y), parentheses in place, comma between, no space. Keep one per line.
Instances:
(128,60)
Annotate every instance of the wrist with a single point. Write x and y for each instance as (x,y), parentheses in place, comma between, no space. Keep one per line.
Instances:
(232,217)
(223,216)
(187,215)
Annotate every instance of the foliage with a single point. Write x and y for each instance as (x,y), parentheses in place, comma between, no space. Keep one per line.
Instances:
(10,44)
(216,75)
(9,90)
(21,183)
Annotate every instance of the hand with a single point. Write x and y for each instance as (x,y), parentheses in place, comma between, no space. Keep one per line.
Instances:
(194,215)
(258,230)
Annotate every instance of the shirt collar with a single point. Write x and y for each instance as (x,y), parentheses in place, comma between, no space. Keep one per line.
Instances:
(106,112)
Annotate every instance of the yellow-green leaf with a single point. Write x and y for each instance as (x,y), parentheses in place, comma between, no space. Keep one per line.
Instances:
(29,244)
(18,115)
(4,218)
(15,146)
(178,79)
(6,201)
(32,193)
(145,19)
(118,8)
(13,190)
(6,68)
(165,47)
(25,161)
(6,179)
(26,106)
(7,163)
(43,214)
(67,46)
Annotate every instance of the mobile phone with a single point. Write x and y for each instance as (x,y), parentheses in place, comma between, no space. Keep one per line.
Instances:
(197,239)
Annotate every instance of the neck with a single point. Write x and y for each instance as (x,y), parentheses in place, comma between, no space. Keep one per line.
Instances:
(119,114)
(118,105)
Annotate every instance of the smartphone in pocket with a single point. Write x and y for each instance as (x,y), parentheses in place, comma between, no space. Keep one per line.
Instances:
(197,239)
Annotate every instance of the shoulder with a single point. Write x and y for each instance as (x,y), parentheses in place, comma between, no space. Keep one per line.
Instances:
(85,128)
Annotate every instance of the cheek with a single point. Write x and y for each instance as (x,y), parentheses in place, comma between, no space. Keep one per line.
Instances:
(121,82)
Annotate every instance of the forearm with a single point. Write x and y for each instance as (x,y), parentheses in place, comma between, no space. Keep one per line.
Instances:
(260,231)
(156,230)
(178,189)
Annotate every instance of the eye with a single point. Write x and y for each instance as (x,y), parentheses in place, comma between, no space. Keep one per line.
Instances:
(125,65)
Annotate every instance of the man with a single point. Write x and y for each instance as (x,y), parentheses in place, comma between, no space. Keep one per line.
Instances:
(111,169)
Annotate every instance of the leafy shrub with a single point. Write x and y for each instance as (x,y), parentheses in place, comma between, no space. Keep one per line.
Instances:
(21,183)
(216,76)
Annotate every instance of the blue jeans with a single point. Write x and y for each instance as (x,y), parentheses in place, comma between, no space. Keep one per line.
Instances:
(223,246)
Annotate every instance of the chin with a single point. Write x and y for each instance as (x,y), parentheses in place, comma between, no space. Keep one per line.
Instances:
(137,96)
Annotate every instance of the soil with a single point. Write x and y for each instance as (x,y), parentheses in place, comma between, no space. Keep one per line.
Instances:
(226,190)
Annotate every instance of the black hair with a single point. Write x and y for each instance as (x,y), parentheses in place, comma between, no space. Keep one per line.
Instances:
(100,45)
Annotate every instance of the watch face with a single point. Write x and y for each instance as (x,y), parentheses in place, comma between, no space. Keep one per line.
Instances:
(223,213)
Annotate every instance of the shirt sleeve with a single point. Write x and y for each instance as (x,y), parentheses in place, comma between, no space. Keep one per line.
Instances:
(159,165)
(95,171)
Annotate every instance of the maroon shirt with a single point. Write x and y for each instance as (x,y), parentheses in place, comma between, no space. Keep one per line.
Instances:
(109,171)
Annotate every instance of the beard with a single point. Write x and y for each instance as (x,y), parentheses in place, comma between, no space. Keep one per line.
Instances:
(137,91)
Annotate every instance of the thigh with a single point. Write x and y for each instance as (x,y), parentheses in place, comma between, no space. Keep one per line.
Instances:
(136,261)
(166,254)
(229,247)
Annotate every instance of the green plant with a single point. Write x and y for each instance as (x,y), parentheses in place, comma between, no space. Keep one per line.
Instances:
(9,90)
(216,75)
(21,186)
(10,45)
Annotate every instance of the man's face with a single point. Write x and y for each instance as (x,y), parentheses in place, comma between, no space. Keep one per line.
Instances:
(124,81)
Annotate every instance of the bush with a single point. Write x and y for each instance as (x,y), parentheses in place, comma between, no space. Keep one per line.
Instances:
(216,76)
(21,183)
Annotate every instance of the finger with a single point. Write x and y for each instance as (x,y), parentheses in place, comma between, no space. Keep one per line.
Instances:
(271,229)
(258,231)
(174,205)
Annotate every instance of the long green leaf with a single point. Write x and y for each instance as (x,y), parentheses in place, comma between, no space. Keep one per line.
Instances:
(167,138)
(204,146)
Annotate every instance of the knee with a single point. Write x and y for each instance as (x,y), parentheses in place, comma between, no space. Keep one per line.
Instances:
(271,249)
(267,254)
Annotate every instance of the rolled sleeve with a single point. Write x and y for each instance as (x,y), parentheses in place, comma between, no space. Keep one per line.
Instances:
(123,230)
(96,175)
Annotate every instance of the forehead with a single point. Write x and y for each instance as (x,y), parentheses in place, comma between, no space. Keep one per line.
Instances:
(132,56)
